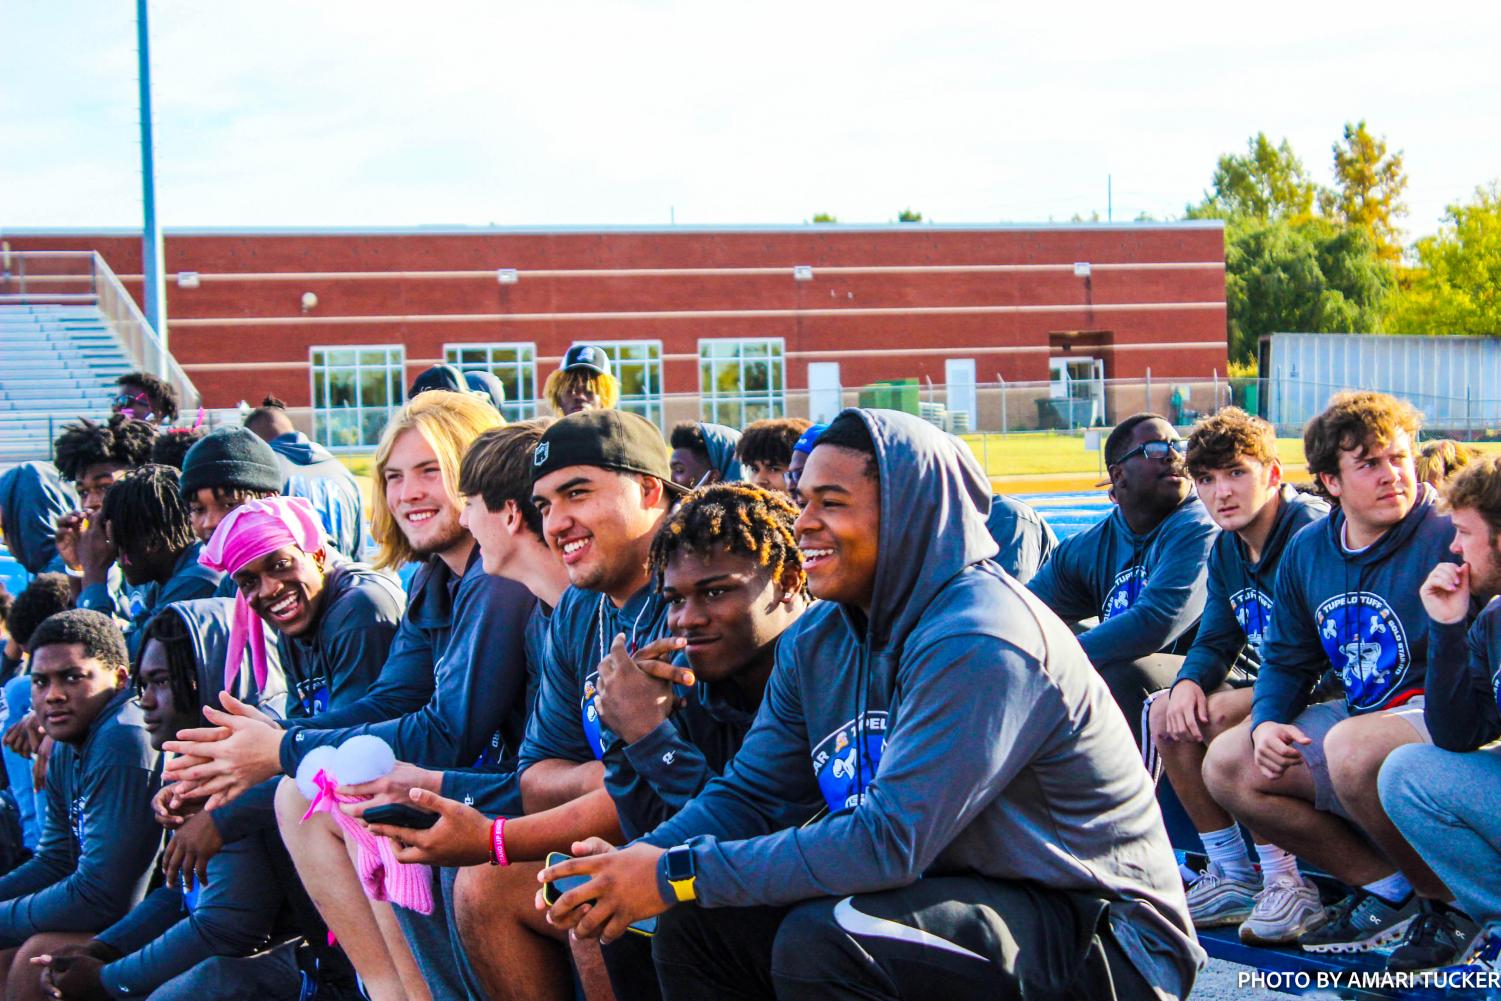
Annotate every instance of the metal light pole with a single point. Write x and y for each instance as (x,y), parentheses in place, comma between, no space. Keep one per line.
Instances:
(155,299)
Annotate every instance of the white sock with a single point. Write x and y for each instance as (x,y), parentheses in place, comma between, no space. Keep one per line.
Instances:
(1227,849)
(1393,889)
(1276,862)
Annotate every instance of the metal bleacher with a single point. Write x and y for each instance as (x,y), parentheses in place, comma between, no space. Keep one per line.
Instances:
(57,363)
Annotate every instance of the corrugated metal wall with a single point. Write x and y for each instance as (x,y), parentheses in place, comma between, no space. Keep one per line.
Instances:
(1455,381)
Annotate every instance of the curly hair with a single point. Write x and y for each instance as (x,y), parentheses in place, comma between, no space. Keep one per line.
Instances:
(605,387)
(689,435)
(1355,422)
(121,440)
(163,395)
(1441,458)
(145,511)
(770,440)
(94,631)
(1477,487)
(1221,439)
(173,443)
(172,632)
(44,597)
(731,518)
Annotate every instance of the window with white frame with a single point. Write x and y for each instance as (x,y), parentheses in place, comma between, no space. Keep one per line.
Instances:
(740,381)
(638,366)
(355,391)
(515,365)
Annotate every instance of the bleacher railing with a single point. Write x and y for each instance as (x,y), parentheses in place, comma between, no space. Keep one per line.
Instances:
(66,277)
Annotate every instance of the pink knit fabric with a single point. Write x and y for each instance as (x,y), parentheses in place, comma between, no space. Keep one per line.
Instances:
(247,533)
(383,877)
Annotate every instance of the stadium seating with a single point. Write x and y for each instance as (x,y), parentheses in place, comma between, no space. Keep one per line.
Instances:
(57,362)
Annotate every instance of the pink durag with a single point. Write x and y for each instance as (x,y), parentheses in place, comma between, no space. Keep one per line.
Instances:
(406,884)
(247,533)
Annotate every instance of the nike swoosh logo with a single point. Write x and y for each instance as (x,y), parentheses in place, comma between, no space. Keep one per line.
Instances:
(859,923)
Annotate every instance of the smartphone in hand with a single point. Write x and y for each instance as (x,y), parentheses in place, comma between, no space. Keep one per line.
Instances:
(400,815)
(555,889)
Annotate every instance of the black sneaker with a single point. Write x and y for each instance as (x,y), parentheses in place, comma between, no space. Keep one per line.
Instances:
(1362,922)
(1435,938)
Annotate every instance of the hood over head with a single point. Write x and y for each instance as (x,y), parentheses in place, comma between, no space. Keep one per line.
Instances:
(298,448)
(33,496)
(934,502)
(1425,505)
(721,441)
(209,621)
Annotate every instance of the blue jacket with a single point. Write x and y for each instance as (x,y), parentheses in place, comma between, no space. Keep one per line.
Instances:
(190,579)
(32,497)
(311,471)
(1356,612)
(1025,538)
(958,727)
(1148,590)
(98,840)
(1239,606)
(457,670)
(1463,704)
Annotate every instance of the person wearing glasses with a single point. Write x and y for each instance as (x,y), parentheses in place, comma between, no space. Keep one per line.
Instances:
(1142,571)
(144,397)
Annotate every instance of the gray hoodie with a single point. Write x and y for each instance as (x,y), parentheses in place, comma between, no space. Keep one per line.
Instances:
(959,728)
(720,442)
(32,497)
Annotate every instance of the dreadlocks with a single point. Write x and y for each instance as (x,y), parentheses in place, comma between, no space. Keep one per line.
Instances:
(182,660)
(731,518)
(124,441)
(145,511)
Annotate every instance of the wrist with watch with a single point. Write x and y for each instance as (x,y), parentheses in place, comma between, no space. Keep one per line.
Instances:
(680,872)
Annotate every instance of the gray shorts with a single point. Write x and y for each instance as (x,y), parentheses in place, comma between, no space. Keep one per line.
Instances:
(1317,720)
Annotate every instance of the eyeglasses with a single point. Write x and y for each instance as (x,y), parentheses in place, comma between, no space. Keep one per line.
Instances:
(130,399)
(1158,450)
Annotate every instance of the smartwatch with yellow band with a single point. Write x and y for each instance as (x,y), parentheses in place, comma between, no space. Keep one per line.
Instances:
(681,873)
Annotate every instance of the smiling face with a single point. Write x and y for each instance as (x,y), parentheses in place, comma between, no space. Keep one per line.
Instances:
(284,588)
(727,607)
(1149,489)
(1236,494)
(1376,485)
(418,497)
(494,531)
(600,523)
(839,528)
(69,690)
(159,709)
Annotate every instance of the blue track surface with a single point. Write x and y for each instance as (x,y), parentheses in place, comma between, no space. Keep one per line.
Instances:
(1070,513)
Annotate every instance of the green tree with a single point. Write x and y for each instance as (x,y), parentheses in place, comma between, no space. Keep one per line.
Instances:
(1308,276)
(907,215)
(1266,184)
(1457,287)
(1369,181)
(825,217)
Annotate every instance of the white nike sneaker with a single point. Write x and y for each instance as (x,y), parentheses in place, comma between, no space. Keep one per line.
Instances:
(1216,899)
(1286,908)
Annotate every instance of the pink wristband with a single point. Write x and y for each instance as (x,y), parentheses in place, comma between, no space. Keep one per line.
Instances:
(498,842)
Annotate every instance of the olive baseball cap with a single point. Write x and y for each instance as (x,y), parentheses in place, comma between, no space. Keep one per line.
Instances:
(610,439)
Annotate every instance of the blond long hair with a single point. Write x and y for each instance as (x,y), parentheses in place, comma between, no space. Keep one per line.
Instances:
(449,423)
(605,387)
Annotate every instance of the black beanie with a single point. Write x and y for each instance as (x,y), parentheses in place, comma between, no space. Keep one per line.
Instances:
(234,458)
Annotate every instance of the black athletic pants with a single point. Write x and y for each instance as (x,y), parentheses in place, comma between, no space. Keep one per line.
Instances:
(947,937)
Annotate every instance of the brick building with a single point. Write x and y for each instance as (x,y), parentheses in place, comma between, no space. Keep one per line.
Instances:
(741,321)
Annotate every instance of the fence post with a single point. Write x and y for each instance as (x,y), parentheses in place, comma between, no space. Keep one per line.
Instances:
(1147,404)
(1003,401)
(1214,400)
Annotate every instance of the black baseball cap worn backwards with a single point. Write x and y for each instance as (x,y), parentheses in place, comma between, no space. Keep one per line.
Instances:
(610,439)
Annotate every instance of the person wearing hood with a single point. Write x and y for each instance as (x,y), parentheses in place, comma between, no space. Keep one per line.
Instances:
(33,496)
(1305,776)
(148,530)
(765,450)
(1024,538)
(1142,570)
(1232,458)
(307,469)
(965,849)
(211,909)
(93,861)
(703,453)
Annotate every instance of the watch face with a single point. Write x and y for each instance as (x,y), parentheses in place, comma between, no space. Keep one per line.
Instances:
(679,864)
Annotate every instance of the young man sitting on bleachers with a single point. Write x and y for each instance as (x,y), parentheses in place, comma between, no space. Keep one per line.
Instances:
(1304,776)
(1445,798)
(1141,570)
(1232,458)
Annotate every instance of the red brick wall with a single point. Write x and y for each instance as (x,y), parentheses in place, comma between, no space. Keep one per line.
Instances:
(1158,291)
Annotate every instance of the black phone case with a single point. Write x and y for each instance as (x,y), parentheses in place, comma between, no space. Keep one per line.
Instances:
(400,815)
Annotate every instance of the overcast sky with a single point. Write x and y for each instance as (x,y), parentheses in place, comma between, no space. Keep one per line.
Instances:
(331,113)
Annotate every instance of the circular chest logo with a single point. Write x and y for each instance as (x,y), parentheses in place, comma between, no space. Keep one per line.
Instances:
(1124,591)
(846,760)
(1253,610)
(1366,644)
